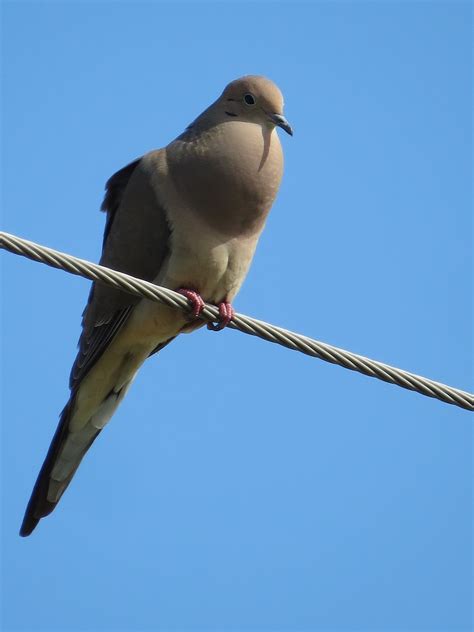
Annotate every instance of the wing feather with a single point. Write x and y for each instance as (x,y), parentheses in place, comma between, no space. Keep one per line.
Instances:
(136,241)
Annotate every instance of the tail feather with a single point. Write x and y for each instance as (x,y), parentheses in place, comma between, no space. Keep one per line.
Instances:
(68,460)
(67,449)
(39,506)
(65,454)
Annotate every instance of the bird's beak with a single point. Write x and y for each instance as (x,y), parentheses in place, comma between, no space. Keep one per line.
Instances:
(280,121)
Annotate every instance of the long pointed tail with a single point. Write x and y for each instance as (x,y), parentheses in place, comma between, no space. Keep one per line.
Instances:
(64,456)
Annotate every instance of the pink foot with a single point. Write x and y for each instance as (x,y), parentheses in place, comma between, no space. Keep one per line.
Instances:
(195,299)
(226,314)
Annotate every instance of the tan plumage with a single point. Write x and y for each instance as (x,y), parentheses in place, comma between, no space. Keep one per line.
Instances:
(188,215)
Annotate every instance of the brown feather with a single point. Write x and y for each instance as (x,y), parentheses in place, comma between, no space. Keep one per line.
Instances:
(128,193)
(39,506)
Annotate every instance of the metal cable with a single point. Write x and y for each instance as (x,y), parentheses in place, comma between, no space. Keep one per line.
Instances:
(243,323)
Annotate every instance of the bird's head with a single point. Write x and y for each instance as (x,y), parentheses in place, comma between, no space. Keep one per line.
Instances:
(255,99)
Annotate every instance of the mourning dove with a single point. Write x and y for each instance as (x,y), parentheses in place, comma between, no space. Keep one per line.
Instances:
(187,217)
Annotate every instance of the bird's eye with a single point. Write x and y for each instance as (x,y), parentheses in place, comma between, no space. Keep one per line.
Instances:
(249,99)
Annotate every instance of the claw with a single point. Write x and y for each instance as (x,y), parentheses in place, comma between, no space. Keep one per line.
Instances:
(195,299)
(226,314)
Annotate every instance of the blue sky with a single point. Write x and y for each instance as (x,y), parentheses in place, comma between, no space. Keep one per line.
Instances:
(240,485)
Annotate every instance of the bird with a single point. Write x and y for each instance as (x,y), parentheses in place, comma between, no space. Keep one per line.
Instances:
(187,217)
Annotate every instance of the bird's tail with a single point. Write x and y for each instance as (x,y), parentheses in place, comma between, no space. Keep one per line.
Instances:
(64,456)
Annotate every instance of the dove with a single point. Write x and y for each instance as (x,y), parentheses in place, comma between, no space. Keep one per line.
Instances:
(187,217)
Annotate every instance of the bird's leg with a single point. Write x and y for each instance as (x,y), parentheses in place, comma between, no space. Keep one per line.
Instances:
(226,314)
(195,299)
(226,311)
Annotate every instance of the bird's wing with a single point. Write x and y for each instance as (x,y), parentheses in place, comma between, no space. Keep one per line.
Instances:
(136,241)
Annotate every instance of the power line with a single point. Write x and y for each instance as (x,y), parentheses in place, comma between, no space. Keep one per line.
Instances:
(243,323)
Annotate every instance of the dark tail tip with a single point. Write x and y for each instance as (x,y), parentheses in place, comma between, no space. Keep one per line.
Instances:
(38,507)
(28,525)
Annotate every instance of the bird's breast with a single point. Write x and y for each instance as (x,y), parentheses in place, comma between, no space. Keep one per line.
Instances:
(229,174)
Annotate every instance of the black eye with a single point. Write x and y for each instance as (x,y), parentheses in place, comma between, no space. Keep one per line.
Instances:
(249,99)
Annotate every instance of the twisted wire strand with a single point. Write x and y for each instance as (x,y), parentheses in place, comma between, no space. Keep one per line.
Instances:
(243,323)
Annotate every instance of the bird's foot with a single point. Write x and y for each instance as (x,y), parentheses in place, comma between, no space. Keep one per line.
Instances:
(226,314)
(197,304)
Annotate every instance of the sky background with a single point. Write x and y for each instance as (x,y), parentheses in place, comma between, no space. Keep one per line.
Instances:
(241,485)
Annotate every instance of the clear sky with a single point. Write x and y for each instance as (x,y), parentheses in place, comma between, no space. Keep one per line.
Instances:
(241,485)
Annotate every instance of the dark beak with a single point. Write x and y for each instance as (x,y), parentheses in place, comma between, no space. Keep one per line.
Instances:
(280,121)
